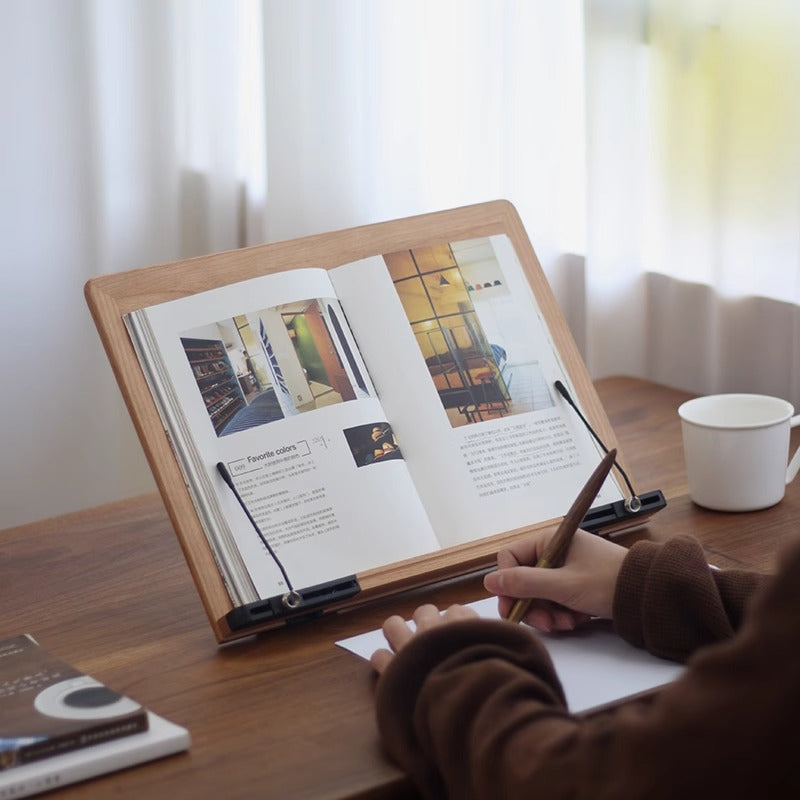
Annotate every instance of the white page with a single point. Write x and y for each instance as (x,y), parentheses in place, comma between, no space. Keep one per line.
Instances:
(326,515)
(594,664)
(491,476)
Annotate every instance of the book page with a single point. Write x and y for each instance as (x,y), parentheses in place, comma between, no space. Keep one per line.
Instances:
(596,667)
(265,376)
(465,368)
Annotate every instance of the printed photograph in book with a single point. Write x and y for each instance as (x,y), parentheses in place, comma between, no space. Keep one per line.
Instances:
(458,304)
(372,444)
(270,364)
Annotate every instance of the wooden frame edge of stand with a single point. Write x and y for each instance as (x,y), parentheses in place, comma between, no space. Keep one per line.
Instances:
(110,297)
(413,573)
(159,454)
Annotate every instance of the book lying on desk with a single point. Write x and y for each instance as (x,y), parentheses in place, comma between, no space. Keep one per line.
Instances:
(59,726)
(162,738)
(48,707)
(389,418)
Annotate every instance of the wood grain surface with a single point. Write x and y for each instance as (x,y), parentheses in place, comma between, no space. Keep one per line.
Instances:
(285,714)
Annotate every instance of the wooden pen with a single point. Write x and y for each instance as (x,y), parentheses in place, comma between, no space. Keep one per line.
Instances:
(557,548)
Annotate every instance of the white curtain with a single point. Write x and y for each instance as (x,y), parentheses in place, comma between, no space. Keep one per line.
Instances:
(381,108)
(132,133)
(142,131)
(693,244)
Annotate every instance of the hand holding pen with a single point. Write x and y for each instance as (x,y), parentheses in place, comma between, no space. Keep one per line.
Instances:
(560,598)
(554,599)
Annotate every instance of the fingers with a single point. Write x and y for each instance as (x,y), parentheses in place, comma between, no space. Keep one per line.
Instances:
(550,618)
(426,616)
(506,559)
(585,584)
(458,612)
(380,659)
(525,582)
(525,552)
(544,615)
(399,633)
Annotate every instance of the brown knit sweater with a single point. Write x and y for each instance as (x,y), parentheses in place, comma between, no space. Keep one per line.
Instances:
(475,710)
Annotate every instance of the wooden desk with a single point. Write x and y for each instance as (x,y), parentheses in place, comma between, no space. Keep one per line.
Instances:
(286,715)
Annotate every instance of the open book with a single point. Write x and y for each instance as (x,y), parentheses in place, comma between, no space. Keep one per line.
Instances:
(372,411)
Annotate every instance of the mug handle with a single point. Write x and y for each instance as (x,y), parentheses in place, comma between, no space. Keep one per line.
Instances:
(794,464)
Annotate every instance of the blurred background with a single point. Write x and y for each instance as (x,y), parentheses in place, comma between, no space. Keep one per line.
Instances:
(651,149)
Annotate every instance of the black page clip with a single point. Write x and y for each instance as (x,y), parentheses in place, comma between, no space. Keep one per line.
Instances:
(619,513)
(294,606)
(622,513)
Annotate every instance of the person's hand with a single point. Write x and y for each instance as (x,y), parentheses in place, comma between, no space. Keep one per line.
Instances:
(562,597)
(398,633)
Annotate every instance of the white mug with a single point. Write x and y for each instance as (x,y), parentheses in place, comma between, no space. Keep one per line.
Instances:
(736,448)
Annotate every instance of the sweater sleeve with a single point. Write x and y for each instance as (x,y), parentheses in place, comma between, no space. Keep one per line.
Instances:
(453,681)
(670,602)
(475,711)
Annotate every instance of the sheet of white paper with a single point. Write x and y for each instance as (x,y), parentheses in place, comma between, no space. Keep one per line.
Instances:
(595,665)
